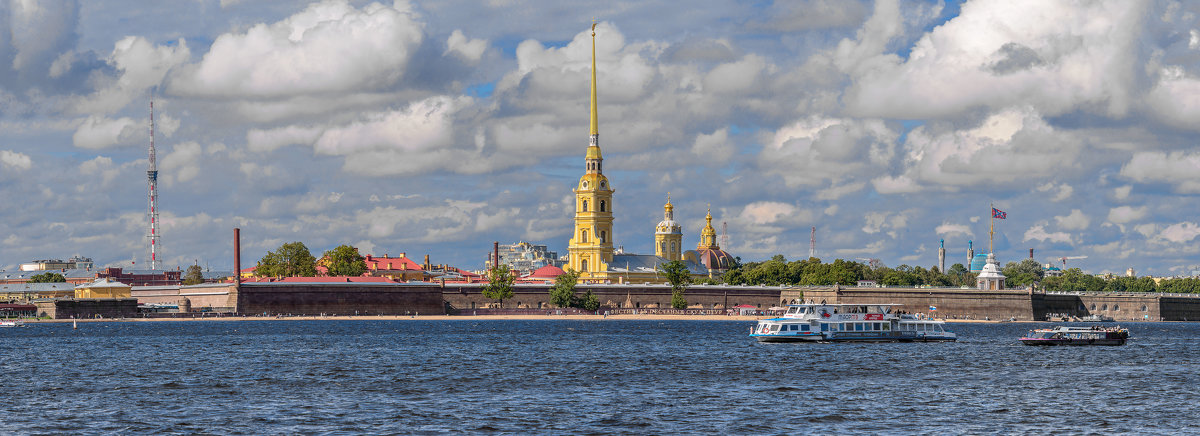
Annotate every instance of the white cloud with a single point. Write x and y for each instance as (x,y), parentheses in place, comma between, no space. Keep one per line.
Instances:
(470,50)
(1000,53)
(99,132)
(1061,192)
(1011,146)
(946,229)
(1180,232)
(766,212)
(142,65)
(15,160)
(1126,214)
(875,222)
(817,151)
(714,147)
(1179,169)
(329,47)
(1039,233)
(1122,192)
(1076,220)
(182,163)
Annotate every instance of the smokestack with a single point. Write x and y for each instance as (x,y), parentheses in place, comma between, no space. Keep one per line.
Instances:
(237,256)
(495,254)
(1031,253)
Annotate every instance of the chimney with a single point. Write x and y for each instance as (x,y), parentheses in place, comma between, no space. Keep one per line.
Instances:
(237,257)
(1031,253)
(496,254)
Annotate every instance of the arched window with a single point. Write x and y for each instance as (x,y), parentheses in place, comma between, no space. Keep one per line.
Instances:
(603,236)
(602,201)
(583,236)
(662,247)
(583,265)
(585,205)
(672,247)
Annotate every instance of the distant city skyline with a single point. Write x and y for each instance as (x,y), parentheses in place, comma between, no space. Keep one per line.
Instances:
(439,127)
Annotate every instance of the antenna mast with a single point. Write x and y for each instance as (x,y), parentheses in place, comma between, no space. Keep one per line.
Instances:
(724,235)
(152,175)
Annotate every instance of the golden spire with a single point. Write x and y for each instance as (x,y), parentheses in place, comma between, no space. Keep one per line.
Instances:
(595,130)
(669,207)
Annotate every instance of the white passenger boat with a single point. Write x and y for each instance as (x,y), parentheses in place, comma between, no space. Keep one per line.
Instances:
(849,323)
(12,323)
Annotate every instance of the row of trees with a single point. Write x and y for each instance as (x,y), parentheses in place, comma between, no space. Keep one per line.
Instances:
(294,260)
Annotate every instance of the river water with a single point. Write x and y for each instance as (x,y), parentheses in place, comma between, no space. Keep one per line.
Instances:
(559,376)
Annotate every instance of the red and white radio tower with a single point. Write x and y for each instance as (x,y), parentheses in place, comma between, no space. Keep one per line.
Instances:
(152,174)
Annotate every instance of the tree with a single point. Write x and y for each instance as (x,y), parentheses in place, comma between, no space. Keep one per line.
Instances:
(1020,274)
(344,260)
(193,276)
(499,287)
(290,260)
(48,277)
(679,277)
(589,301)
(562,294)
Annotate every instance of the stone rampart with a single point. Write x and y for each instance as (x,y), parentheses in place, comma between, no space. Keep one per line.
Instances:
(338,298)
(87,308)
(645,296)
(1023,305)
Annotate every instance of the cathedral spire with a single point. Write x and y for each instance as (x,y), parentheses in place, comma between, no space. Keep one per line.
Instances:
(595,125)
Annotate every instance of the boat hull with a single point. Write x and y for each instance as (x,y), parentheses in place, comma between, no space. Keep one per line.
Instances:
(896,337)
(1053,342)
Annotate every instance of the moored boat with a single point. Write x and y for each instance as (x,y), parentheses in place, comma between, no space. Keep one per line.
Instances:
(12,323)
(849,323)
(1064,335)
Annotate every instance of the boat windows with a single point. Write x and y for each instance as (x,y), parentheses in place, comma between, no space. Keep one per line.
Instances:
(775,328)
(878,326)
(804,328)
(825,327)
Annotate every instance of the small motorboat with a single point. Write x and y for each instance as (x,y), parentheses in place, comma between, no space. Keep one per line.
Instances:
(1061,335)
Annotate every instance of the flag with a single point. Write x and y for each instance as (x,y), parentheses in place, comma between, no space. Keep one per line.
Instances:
(997,213)
(932,308)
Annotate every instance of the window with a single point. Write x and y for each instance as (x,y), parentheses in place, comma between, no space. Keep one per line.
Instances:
(585,205)
(1143,308)
(662,247)
(602,201)
(601,185)
(672,247)
(1116,308)
(603,236)
(583,236)
(804,328)
(583,266)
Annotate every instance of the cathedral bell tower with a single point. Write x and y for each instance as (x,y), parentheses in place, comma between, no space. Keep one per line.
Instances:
(668,235)
(591,247)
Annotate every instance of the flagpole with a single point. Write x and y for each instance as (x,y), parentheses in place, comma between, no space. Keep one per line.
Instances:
(992,231)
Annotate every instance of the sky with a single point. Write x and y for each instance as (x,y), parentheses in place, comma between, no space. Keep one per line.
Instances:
(439,127)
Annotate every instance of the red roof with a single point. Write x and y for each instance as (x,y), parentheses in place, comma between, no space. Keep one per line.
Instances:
(390,263)
(322,279)
(548,272)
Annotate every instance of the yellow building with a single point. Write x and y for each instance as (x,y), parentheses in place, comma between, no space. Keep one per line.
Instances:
(103,288)
(591,247)
(668,235)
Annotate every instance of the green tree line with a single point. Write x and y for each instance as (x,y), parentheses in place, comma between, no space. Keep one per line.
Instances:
(778,271)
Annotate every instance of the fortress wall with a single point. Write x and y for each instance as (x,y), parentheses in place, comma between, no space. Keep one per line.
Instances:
(88,308)
(537,296)
(950,303)
(339,298)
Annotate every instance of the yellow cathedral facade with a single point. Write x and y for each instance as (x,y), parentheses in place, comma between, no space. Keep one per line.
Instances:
(590,248)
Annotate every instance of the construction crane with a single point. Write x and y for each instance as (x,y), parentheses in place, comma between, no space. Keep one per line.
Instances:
(1064,260)
(871,262)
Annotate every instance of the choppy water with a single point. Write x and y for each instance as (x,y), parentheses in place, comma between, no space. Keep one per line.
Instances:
(558,377)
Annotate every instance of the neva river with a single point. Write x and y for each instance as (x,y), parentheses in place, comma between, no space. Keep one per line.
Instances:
(557,377)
